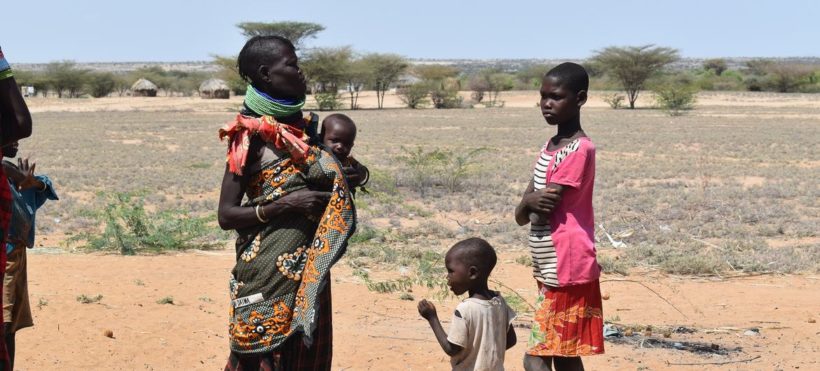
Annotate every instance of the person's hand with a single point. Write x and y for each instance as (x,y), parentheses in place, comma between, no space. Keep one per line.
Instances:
(353,176)
(310,203)
(427,309)
(542,201)
(27,170)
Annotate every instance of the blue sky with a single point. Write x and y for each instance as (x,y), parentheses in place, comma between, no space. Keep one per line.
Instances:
(182,30)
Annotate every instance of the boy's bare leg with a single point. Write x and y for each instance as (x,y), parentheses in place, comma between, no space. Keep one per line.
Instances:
(568,364)
(535,363)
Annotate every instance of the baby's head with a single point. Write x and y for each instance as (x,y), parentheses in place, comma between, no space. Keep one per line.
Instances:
(338,135)
(469,263)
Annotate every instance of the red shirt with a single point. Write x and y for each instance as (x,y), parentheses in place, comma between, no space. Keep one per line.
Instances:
(573,221)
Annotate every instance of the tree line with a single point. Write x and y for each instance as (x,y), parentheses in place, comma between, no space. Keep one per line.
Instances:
(65,79)
(337,75)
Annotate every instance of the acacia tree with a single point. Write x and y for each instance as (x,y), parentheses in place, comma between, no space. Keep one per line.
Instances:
(100,84)
(384,70)
(633,65)
(296,32)
(327,68)
(65,77)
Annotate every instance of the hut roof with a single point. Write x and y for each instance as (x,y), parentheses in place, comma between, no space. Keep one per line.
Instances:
(213,85)
(143,84)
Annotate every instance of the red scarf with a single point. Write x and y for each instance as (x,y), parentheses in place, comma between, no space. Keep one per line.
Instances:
(283,136)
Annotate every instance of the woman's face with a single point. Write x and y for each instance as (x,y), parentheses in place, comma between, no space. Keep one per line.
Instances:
(283,76)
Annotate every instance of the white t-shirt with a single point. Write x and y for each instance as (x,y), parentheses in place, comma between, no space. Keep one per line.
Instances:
(482,332)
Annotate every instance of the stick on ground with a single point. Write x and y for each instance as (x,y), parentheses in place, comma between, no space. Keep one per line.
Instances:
(712,363)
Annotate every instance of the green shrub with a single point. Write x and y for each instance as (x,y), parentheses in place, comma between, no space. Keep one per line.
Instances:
(328,101)
(415,95)
(129,228)
(446,98)
(675,98)
(615,101)
(437,167)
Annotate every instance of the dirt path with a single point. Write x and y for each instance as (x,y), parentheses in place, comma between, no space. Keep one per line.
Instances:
(379,331)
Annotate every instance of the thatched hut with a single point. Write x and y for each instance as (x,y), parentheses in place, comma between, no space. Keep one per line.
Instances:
(144,88)
(214,89)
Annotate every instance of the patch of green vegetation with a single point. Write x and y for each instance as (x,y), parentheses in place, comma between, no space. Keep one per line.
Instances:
(166,300)
(89,299)
(429,272)
(129,228)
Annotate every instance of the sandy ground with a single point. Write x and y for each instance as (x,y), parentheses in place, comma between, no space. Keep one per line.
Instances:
(379,331)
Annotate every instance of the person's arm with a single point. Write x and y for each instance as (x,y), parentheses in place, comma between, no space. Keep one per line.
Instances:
(428,311)
(232,215)
(15,119)
(541,201)
(24,176)
(512,338)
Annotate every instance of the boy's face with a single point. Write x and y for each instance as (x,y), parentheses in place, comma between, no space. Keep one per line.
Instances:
(10,150)
(339,138)
(559,104)
(283,76)
(459,275)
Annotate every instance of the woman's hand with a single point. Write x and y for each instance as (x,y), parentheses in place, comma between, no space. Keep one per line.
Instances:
(307,202)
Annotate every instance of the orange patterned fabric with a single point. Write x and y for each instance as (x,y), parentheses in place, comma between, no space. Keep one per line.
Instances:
(568,321)
(283,136)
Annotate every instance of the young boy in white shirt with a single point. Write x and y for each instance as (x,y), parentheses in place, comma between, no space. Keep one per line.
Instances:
(481,330)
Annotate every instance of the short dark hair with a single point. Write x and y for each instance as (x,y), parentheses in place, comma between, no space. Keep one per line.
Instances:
(476,252)
(256,50)
(338,118)
(570,75)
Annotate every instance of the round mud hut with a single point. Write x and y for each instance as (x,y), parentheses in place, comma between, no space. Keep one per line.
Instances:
(144,88)
(214,89)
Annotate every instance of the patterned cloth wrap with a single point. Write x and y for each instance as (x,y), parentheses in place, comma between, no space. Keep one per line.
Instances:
(282,265)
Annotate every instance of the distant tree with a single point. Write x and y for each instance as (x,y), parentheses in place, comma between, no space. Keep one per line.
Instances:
(38,80)
(122,83)
(498,82)
(531,75)
(632,66)
(327,68)
(479,86)
(384,70)
(229,71)
(65,77)
(296,32)
(435,72)
(357,77)
(716,64)
(100,84)
(758,67)
(788,77)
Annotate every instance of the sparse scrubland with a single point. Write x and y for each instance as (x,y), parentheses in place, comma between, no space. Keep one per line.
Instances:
(710,193)
(709,211)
